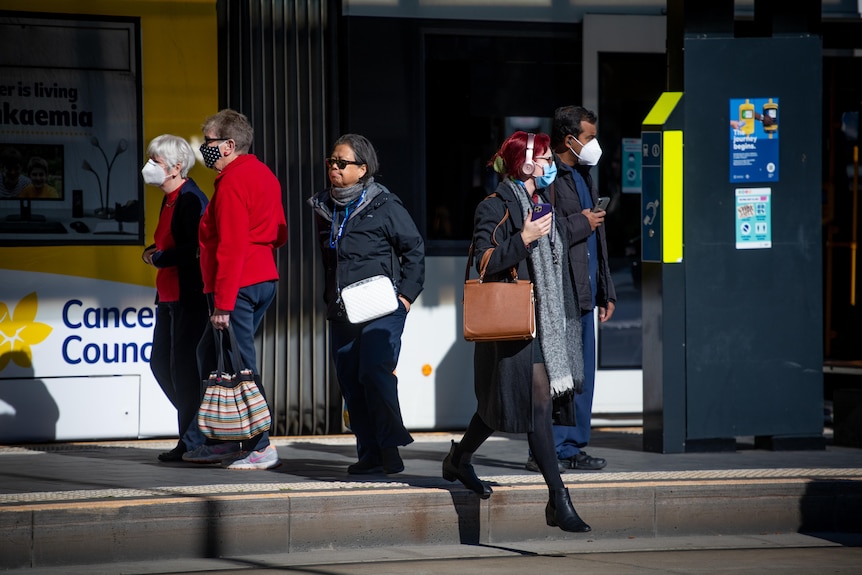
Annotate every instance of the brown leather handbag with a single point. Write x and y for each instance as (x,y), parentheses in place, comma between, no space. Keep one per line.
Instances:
(497,311)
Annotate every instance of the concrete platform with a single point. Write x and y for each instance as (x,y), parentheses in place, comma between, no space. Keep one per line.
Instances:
(111,502)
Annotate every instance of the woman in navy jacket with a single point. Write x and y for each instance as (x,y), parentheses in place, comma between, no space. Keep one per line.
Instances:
(365,231)
(181,313)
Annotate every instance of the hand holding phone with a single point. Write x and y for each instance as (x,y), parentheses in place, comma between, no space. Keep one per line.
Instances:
(541,210)
(602,204)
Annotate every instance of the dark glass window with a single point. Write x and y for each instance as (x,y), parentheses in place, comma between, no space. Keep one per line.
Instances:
(480,86)
(629,86)
(437,98)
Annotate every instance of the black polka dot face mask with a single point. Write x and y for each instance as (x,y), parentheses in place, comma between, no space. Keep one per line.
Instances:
(211,154)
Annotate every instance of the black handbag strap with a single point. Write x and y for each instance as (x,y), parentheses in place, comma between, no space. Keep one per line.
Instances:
(218,336)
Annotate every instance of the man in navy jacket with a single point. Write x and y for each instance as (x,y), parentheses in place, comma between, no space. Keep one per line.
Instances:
(576,151)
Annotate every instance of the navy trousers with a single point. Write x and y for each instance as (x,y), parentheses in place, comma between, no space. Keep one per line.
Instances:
(365,358)
(570,439)
(248,312)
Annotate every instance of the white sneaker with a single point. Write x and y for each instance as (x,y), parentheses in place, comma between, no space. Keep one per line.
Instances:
(264,459)
(212,453)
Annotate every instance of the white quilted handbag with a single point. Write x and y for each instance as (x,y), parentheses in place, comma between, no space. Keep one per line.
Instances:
(369,299)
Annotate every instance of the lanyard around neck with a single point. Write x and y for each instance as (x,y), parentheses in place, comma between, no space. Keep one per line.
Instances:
(333,242)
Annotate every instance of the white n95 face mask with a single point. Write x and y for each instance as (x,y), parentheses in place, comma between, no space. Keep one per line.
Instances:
(154,174)
(590,153)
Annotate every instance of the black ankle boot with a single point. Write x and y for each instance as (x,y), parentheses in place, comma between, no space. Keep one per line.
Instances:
(559,512)
(392,462)
(175,454)
(368,464)
(461,469)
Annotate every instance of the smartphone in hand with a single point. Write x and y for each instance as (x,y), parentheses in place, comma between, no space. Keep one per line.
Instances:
(541,210)
(602,204)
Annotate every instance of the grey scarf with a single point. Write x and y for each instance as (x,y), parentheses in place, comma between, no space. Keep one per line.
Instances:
(344,196)
(557,315)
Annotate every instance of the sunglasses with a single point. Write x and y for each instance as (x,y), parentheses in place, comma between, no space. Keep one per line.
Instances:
(342,163)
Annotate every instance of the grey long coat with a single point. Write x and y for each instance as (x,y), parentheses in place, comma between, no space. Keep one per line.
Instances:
(503,371)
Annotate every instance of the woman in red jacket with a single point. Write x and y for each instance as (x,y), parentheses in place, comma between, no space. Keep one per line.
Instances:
(239,233)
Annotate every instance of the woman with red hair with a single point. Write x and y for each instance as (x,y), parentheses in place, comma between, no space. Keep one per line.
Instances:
(522,386)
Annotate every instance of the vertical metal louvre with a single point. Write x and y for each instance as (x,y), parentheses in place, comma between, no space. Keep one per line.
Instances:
(273,62)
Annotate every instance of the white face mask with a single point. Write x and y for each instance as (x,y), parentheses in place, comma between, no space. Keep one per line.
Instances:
(153,174)
(590,153)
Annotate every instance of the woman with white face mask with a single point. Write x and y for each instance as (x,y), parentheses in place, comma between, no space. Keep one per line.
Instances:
(181,314)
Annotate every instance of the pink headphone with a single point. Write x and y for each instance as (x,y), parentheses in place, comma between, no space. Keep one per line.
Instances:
(529,166)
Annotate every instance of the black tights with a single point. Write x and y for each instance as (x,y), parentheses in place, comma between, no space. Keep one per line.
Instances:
(541,439)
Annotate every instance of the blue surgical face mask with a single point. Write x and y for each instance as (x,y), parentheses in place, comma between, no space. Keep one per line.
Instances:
(547,178)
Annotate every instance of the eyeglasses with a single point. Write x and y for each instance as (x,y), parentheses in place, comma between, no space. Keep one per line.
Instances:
(548,159)
(342,163)
(208,141)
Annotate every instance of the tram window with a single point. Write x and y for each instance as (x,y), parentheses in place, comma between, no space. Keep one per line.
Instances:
(438,106)
(479,88)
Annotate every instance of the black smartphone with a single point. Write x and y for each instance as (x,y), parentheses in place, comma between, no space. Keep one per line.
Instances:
(541,210)
(602,204)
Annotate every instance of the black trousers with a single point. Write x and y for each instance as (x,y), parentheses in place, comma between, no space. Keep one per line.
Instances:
(173,360)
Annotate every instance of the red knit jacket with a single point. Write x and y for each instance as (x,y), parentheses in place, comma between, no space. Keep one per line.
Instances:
(241,228)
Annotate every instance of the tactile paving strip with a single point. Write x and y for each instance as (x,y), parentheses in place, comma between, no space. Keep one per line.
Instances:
(732,475)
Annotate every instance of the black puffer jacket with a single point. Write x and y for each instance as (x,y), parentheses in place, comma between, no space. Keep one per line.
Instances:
(379,237)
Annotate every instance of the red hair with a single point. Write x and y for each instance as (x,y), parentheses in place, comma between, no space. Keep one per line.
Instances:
(513,153)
